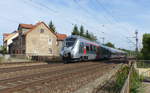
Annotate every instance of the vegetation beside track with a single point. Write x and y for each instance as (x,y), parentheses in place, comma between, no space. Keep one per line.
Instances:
(135,82)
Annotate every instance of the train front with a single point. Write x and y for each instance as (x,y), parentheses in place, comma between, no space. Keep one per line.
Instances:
(67,51)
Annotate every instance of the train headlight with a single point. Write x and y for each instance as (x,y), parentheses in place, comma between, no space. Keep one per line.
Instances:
(66,55)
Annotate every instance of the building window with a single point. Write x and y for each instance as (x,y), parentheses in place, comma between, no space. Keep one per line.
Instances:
(23,51)
(41,30)
(49,41)
(50,51)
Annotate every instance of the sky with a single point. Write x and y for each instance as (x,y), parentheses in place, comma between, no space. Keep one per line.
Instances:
(115,20)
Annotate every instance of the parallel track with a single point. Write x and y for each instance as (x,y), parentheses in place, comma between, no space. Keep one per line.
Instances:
(55,78)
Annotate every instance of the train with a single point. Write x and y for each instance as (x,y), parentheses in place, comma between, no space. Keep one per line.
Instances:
(77,48)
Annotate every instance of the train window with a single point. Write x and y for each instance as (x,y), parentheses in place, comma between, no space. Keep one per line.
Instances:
(87,48)
(91,47)
(94,48)
(70,42)
(81,47)
(71,39)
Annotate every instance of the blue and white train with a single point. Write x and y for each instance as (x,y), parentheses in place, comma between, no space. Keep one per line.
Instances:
(76,48)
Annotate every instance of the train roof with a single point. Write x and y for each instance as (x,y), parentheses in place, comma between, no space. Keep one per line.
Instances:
(82,38)
(113,50)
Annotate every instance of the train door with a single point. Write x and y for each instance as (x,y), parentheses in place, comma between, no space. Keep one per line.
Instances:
(98,52)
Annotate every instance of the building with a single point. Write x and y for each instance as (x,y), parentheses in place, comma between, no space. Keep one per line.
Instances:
(36,40)
(60,39)
(8,39)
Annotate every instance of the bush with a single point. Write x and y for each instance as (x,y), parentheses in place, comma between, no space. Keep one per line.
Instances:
(135,82)
(3,50)
(121,76)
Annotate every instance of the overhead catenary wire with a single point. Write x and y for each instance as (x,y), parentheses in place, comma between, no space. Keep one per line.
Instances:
(90,13)
(110,14)
(47,8)
(115,20)
(43,5)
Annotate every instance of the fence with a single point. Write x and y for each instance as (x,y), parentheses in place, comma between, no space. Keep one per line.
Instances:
(126,86)
(143,68)
(143,63)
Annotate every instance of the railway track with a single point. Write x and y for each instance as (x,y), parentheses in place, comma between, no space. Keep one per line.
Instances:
(52,78)
(19,64)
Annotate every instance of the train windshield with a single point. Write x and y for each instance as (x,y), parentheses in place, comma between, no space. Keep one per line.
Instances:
(70,42)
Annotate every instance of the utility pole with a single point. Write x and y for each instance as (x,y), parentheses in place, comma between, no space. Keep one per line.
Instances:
(103,38)
(136,38)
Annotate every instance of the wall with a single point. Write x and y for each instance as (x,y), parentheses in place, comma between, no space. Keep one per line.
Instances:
(38,43)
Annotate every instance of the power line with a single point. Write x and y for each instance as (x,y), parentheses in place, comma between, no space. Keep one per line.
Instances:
(115,20)
(43,5)
(89,13)
(109,13)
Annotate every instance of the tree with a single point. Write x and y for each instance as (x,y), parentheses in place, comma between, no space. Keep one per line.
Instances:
(109,44)
(87,35)
(92,37)
(52,27)
(81,31)
(3,50)
(146,46)
(75,30)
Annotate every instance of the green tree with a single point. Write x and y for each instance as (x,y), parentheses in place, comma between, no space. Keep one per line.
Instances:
(52,27)
(146,46)
(109,44)
(3,50)
(87,35)
(75,31)
(81,31)
(92,37)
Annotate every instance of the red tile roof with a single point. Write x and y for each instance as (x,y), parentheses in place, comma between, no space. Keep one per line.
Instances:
(37,24)
(6,34)
(28,26)
(61,36)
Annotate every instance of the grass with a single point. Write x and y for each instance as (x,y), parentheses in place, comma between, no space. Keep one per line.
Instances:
(121,77)
(117,82)
(135,82)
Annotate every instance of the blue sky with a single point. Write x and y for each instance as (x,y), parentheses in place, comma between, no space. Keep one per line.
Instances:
(118,19)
